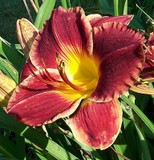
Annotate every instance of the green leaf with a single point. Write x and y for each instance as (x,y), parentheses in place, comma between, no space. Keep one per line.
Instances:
(144,149)
(44,13)
(125,8)
(143,117)
(64,4)
(105,7)
(9,52)
(116,7)
(4,157)
(121,147)
(42,157)
(130,138)
(8,69)
(68,3)
(35,136)
(151,148)
(20,146)
(136,23)
(36,3)
(8,148)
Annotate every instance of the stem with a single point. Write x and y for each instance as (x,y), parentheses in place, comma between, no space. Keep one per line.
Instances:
(118,154)
(34,6)
(37,3)
(28,10)
(144,12)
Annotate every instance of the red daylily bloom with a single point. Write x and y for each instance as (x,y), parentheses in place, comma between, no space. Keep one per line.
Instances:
(78,67)
(147,73)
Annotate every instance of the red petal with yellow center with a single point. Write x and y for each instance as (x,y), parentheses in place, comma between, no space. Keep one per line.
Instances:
(97,20)
(97,124)
(66,32)
(120,54)
(35,102)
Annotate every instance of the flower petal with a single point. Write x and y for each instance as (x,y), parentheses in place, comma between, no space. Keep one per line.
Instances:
(151,39)
(142,88)
(97,124)
(27,70)
(34,84)
(147,73)
(97,20)
(120,59)
(35,103)
(66,32)
(113,36)
(43,108)
(118,71)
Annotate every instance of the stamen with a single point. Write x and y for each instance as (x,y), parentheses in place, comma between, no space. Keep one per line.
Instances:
(47,73)
(41,79)
(147,48)
(62,73)
(61,68)
(57,59)
(84,87)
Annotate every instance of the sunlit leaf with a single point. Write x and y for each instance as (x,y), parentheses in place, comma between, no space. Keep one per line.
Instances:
(144,149)
(8,69)
(15,57)
(64,4)
(44,13)
(143,117)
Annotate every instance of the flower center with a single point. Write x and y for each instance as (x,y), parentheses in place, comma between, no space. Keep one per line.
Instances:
(79,72)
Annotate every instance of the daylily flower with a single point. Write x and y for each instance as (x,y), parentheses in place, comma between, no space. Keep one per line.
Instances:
(147,74)
(7,85)
(78,67)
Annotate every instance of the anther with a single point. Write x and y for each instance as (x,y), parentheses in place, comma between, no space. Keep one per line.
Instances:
(61,68)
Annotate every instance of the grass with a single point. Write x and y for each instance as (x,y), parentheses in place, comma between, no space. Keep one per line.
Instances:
(10,11)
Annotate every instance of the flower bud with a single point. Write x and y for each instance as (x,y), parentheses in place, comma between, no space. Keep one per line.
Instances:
(26,33)
(7,85)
